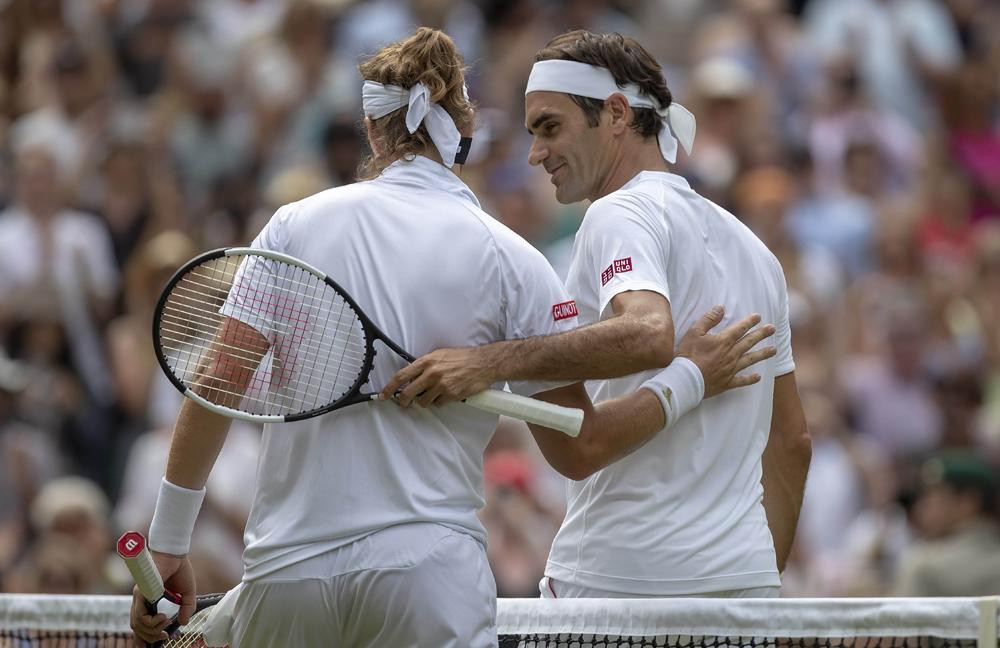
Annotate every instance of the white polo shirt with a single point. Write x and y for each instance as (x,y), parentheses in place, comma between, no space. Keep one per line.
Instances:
(683,514)
(431,269)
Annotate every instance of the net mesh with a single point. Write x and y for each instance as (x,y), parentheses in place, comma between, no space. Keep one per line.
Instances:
(98,622)
(303,346)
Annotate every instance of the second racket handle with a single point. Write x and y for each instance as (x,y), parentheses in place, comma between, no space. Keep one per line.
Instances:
(567,420)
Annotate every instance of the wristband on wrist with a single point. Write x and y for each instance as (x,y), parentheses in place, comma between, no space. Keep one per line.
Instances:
(173,520)
(680,388)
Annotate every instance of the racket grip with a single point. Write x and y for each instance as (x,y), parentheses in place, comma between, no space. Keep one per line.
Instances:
(567,420)
(133,550)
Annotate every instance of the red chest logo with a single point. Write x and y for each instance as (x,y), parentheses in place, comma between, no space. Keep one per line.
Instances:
(564,310)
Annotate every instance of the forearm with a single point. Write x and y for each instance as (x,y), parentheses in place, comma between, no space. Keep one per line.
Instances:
(224,376)
(620,426)
(611,348)
(197,440)
(611,430)
(785,466)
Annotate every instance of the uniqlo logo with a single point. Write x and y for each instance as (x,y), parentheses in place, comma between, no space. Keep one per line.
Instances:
(623,265)
(564,310)
(607,274)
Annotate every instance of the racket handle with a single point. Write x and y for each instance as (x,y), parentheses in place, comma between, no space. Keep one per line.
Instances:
(133,550)
(567,420)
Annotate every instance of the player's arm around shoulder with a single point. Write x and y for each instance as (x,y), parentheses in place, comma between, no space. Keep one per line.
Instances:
(639,336)
(707,364)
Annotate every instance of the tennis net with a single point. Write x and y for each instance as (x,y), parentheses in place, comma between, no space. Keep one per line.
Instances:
(102,622)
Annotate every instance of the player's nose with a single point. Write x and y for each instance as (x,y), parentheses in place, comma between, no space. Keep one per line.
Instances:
(538,153)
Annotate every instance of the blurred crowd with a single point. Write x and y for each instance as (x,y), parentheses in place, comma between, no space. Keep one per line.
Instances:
(860,139)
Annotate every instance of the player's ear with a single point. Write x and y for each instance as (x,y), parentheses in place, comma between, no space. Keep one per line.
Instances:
(619,112)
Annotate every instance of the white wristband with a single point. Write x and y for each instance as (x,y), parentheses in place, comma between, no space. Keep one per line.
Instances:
(680,387)
(173,520)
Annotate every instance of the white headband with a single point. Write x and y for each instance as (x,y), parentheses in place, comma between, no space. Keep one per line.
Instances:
(379,100)
(586,80)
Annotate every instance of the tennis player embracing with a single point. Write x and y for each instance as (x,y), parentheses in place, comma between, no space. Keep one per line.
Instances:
(708,507)
(363,530)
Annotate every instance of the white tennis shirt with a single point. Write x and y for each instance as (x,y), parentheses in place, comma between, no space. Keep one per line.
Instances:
(431,269)
(684,513)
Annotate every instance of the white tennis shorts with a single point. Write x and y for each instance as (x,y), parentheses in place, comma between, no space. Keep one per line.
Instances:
(418,585)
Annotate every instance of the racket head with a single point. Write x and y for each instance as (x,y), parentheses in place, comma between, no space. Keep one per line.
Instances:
(298,341)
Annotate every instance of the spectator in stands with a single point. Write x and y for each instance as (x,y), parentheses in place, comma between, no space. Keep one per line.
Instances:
(70,518)
(904,47)
(890,395)
(49,249)
(955,513)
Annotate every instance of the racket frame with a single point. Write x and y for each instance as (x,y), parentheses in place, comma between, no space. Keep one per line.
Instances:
(351,396)
(565,419)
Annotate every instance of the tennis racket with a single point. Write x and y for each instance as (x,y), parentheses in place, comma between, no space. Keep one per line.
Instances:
(132,549)
(262,336)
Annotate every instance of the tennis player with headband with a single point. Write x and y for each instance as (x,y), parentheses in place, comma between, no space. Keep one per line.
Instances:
(363,530)
(708,507)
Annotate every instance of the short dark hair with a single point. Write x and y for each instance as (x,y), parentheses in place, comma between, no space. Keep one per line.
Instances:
(628,62)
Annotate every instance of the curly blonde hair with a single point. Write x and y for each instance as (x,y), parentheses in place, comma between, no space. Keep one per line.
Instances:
(429,57)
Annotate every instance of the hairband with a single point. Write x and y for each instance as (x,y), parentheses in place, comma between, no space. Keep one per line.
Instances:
(572,77)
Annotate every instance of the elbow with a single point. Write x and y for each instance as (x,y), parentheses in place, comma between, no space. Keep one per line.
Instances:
(584,459)
(578,471)
(800,449)
(573,465)
(805,447)
(657,340)
(660,357)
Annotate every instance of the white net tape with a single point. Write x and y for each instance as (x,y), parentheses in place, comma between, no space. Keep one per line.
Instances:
(573,623)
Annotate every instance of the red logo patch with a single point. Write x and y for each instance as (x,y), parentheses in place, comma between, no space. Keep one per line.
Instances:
(607,274)
(564,310)
(623,265)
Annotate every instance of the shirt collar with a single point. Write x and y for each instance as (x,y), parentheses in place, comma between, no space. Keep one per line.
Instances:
(425,173)
(665,176)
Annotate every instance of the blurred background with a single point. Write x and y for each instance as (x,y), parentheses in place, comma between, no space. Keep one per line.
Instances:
(860,139)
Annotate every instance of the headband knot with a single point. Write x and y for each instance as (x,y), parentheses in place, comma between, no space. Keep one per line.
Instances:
(573,77)
(378,100)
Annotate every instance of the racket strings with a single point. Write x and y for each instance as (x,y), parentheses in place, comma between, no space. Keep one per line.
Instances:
(240,353)
(318,346)
(339,335)
(190,634)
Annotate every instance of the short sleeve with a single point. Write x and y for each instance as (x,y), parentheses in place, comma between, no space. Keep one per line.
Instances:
(623,249)
(535,303)
(252,299)
(784,363)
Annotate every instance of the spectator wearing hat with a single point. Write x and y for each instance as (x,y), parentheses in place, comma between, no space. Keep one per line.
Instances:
(71,553)
(955,511)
